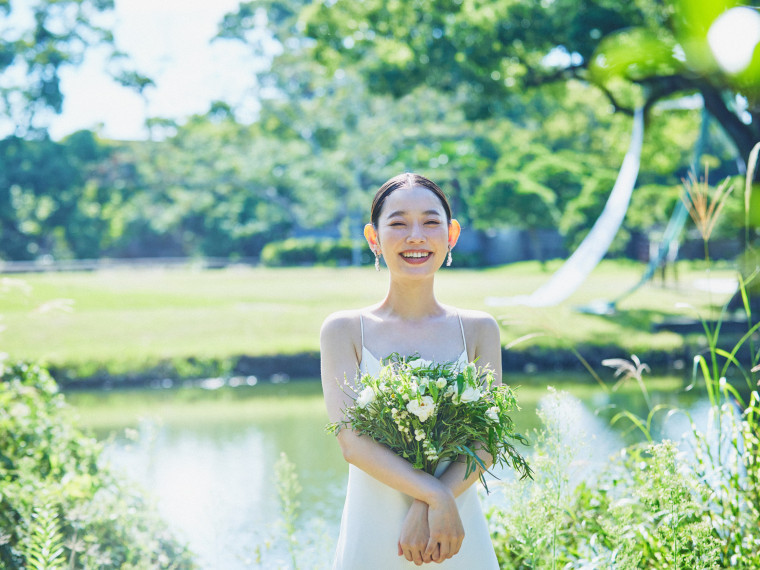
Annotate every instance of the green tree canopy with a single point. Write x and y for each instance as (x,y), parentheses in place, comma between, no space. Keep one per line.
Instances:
(636,52)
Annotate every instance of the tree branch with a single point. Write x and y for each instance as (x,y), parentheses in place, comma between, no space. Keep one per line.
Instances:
(560,74)
(617,106)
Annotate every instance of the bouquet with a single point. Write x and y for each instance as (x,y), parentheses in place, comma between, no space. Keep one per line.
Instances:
(429,412)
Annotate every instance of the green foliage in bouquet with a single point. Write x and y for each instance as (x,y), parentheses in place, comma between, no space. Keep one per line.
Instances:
(429,413)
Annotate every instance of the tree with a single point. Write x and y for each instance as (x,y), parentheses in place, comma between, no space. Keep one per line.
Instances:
(50,200)
(378,106)
(635,52)
(37,40)
(355,139)
(514,198)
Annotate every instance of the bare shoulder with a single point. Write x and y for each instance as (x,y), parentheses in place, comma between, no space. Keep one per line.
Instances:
(341,325)
(479,323)
(340,347)
(481,331)
(341,319)
(483,339)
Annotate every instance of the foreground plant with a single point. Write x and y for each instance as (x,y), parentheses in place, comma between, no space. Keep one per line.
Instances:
(645,509)
(705,204)
(693,504)
(727,451)
(60,507)
(288,490)
(292,543)
(531,529)
(432,413)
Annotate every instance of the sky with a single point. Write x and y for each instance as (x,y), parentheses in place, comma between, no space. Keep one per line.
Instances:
(167,40)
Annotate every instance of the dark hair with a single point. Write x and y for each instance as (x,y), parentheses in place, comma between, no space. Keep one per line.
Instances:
(407,180)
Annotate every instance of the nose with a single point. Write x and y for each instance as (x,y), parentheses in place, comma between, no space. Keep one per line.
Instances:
(416,235)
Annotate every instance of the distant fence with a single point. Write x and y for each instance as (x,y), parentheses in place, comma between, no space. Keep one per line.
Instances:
(47,264)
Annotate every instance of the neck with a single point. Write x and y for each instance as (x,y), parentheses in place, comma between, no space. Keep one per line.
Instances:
(412,300)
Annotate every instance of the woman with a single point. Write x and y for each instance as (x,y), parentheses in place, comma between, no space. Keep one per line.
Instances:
(394,514)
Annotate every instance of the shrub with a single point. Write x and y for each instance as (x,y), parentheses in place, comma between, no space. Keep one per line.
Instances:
(313,251)
(60,506)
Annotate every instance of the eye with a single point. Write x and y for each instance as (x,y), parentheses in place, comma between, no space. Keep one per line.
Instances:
(396,224)
(433,223)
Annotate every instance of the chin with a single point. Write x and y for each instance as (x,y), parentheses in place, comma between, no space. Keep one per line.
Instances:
(422,270)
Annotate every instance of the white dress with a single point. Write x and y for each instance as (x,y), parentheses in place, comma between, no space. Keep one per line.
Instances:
(374,512)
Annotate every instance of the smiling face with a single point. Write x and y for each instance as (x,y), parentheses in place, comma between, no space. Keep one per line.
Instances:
(413,233)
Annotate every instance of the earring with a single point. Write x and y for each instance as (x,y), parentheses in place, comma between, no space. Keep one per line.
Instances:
(377,261)
(448,259)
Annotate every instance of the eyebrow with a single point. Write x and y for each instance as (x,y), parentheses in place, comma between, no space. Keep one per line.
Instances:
(403,213)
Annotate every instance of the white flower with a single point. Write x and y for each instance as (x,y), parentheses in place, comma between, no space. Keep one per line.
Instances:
(451,391)
(470,394)
(441,382)
(422,408)
(493,414)
(420,363)
(365,397)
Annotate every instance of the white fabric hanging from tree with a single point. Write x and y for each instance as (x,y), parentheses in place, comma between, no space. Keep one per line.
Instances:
(582,262)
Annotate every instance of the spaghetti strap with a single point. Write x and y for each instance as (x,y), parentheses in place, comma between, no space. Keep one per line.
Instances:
(461,326)
(361,325)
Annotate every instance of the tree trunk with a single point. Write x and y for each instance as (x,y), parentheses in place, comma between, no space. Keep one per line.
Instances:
(743,135)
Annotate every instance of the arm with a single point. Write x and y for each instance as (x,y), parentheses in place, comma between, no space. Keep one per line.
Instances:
(339,369)
(483,332)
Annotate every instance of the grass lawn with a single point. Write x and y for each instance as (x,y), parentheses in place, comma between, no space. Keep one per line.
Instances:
(129,320)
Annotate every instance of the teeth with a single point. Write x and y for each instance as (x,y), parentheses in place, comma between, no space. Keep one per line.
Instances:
(416,254)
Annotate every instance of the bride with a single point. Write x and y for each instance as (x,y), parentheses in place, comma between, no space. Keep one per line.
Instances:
(394,515)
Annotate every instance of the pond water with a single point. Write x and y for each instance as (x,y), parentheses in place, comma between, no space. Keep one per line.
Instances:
(207,456)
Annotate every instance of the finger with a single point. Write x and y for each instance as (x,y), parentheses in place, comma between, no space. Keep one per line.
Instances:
(407,552)
(444,551)
(458,546)
(431,547)
(417,556)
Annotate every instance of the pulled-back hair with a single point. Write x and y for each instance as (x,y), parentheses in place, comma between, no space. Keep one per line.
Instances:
(406,180)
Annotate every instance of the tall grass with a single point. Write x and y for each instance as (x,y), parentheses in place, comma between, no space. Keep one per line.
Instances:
(292,546)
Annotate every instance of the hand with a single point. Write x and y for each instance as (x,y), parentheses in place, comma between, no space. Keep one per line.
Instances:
(446,530)
(415,534)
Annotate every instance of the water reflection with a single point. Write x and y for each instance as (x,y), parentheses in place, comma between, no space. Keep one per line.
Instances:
(210,484)
(208,458)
